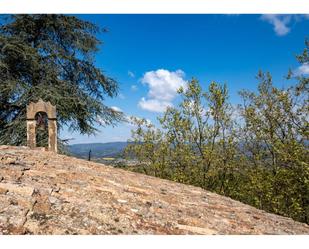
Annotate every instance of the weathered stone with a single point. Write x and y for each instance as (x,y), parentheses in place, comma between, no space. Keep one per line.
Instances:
(18,189)
(56,189)
(25,168)
(197,230)
(53,200)
(3,191)
(96,199)
(50,110)
(10,161)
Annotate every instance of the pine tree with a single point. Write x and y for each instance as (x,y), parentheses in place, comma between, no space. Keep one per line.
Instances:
(52,57)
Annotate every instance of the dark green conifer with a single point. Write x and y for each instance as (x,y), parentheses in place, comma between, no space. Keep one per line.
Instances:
(52,57)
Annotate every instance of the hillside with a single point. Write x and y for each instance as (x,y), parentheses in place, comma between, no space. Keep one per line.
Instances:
(98,150)
(45,193)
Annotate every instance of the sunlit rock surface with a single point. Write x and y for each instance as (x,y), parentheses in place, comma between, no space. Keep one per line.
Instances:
(45,193)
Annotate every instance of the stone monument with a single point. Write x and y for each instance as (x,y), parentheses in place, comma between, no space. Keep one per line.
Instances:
(48,109)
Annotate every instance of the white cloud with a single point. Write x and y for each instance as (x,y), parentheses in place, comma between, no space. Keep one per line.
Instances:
(134,88)
(303,69)
(154,105)
(163,86)
(116,109)
(279,22)
(131,74)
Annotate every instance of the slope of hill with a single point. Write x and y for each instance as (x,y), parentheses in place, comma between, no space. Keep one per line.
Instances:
(45,193)
(98,150)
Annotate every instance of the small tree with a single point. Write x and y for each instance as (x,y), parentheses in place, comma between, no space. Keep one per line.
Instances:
(275,144)
(147,145)
(209,132)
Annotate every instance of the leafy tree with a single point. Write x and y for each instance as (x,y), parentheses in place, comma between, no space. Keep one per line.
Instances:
(259,157)
(276,146)
(276,128)
(199,129)
(147,146)
(195,136)
(51,57)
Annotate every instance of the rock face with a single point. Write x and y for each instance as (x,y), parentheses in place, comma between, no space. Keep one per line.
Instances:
(45,193)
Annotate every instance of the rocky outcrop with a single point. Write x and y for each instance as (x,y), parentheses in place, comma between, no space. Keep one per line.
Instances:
(45,193)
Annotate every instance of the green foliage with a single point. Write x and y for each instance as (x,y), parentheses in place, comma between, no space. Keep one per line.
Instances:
(51,57)
(256,153)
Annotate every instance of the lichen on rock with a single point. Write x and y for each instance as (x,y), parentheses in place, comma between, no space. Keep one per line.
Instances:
(46,193)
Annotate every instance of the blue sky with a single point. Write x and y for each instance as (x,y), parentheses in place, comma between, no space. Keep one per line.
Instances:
(151,55)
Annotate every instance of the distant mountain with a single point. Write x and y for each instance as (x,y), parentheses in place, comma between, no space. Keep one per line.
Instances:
(98,150)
